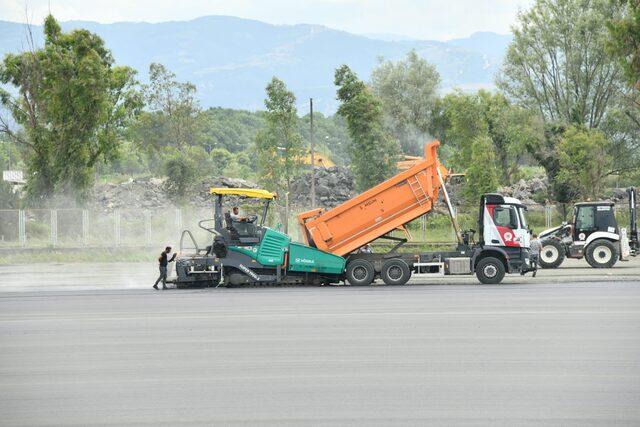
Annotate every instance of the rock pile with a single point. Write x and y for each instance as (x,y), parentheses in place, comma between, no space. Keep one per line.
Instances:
(147,193)
(529,192)
(333,186)
(135,193)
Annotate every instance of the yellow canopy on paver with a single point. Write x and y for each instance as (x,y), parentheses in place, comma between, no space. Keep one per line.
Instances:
(246,192)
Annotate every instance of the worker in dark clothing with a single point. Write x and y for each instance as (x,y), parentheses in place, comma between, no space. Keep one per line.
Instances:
(163,262)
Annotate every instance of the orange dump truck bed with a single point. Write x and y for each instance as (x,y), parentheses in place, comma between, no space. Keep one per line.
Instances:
(376,212)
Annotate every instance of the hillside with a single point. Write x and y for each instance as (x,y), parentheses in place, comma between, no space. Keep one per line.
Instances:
(231,59)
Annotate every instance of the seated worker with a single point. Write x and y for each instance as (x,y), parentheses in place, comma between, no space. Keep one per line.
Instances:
(235,215)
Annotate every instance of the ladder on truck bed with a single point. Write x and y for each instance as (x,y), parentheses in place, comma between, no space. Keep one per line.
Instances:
(417,190)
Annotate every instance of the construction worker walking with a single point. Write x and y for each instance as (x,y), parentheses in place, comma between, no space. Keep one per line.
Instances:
(163,262)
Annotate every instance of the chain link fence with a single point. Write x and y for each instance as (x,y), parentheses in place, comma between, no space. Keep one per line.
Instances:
(78,228)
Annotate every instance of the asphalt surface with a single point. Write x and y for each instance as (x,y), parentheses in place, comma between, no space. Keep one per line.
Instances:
(91,344)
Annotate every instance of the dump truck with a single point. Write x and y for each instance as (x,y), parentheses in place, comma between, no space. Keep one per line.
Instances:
(247,252)
(593,234)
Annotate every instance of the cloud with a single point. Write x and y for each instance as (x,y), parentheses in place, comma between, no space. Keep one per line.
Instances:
(424,19)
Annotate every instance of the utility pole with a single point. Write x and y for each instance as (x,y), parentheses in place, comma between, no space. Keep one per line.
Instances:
(313,157)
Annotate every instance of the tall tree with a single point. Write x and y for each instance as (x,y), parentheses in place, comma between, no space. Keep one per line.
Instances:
(625,40)
(279,146)
(461,118)
(557,63)
(73,104)
(584,162)
(173,117)
(624,44)
(408,90)
(481,175)
(373,152)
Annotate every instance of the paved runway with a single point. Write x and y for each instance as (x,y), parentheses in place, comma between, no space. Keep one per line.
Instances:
(539,351)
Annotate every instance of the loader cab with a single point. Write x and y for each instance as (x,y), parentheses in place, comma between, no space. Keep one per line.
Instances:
(503,222)
(591,217)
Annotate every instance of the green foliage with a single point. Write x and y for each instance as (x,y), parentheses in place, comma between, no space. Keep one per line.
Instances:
(624,42)
(10,157)
(584,162)
(73,107)
(558,63)
(181,175)
(220,160)
(481,175)
(372,150)
(279,146)
(8,199)
(176,109)
(408,91)
(129,160)
(331,136)
(233,130)
(460,118)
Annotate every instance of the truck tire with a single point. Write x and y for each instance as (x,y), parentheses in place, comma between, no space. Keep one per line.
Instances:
(552,254)
(360,272)
(395,272)
(602,253)
(490,271)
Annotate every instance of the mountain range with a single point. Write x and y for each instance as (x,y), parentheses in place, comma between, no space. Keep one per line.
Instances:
(230,59)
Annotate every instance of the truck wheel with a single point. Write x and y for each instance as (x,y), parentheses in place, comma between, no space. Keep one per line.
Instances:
(490,271)
(395,272)
(552,254)
(602,253)
(360,272)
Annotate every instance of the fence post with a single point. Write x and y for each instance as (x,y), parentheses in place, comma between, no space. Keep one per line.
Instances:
(147,228)
(54,227)
(22,232)
(116,226)
(423,225)
(547,216)
(85,227)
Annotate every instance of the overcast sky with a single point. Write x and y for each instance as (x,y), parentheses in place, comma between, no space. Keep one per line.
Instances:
(423,19)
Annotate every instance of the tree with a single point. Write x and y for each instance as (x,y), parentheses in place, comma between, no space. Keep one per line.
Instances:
(279,146)
(72,105)
(584,162)
(408,91)
(481,175)
(557,63)
(373,152)
(181,175)
(173,118)
(624,43)
(220,159)
(460,118)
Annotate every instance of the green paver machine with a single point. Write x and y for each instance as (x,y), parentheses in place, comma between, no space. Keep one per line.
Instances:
(245,251)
